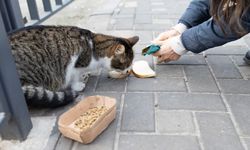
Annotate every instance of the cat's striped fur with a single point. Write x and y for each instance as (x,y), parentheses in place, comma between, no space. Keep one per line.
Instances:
(50,60)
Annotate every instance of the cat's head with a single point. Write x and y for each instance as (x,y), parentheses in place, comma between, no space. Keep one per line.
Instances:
(120,53)
(123,54)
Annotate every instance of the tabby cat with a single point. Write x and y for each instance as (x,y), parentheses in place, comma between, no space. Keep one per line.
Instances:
(51,60)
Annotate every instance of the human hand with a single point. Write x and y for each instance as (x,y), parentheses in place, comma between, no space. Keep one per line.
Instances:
(165,35)
(166,52)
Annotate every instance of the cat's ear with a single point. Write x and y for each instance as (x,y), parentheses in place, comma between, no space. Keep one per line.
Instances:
(120,49)
(133,40)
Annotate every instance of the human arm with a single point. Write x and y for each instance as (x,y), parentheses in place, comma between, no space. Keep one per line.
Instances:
(196,13)
(209,34)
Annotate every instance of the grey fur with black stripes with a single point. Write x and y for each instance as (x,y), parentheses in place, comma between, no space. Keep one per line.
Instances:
(51,60)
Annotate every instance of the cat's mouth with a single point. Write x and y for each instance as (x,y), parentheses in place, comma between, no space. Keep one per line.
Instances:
(119,74)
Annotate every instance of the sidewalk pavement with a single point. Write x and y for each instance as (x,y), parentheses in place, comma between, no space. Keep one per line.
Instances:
(200,102)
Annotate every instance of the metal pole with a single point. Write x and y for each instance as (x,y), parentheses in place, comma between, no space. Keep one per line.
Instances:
(15,14)
(7,22)
(47,5)
(34,14)
(12,98)
(59,2)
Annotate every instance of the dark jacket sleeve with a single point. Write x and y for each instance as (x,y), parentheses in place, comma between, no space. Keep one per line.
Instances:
(196,13)
(209,34)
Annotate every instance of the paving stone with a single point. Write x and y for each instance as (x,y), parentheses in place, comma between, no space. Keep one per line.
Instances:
(184,101)
(37,138)
(143,5)
(235,86)
(145,37)
(75,14)
(117,96)
(138,112)
(157,84)
(94,25)
(158,3)
(217,132)
(167,16)
(247,140)
(147,58)
(163,6)
(240,105)
(90,86)
(64,143)
(143,11)
(138,48)
(189,60)
(127,11)
(130,4)
(200,79)
(35,112)
(120,33)
(105,141)
(175,4)
(104,8)
(246,37)
(245,70)
(159,9)
(110,84)
(239,42)
(121,24)
(228,50)
(174,122)
(160,12)
(163,21)
(143,19)
(120,21)
(157,142)
(53,138)
(153,26)
(60,110)
(247,40)
(223,67)
(164,71)
(120,16)
(239,60)
(111,26)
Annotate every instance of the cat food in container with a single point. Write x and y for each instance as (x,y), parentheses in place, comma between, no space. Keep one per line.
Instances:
(89,118)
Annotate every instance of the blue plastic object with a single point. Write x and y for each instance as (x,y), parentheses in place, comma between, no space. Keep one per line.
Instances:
(150,49)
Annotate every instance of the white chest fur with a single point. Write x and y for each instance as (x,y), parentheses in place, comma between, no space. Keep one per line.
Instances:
(100,63)
(73,75)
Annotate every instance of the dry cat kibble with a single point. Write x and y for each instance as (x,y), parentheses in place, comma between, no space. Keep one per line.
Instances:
(88,118)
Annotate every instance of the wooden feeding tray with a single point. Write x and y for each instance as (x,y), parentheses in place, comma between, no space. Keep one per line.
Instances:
(89,118)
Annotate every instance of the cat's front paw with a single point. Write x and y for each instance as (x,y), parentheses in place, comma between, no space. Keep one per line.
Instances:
(78,86)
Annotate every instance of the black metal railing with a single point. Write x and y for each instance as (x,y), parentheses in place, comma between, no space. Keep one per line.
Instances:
(11,14)
(48,8)
(35,14)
